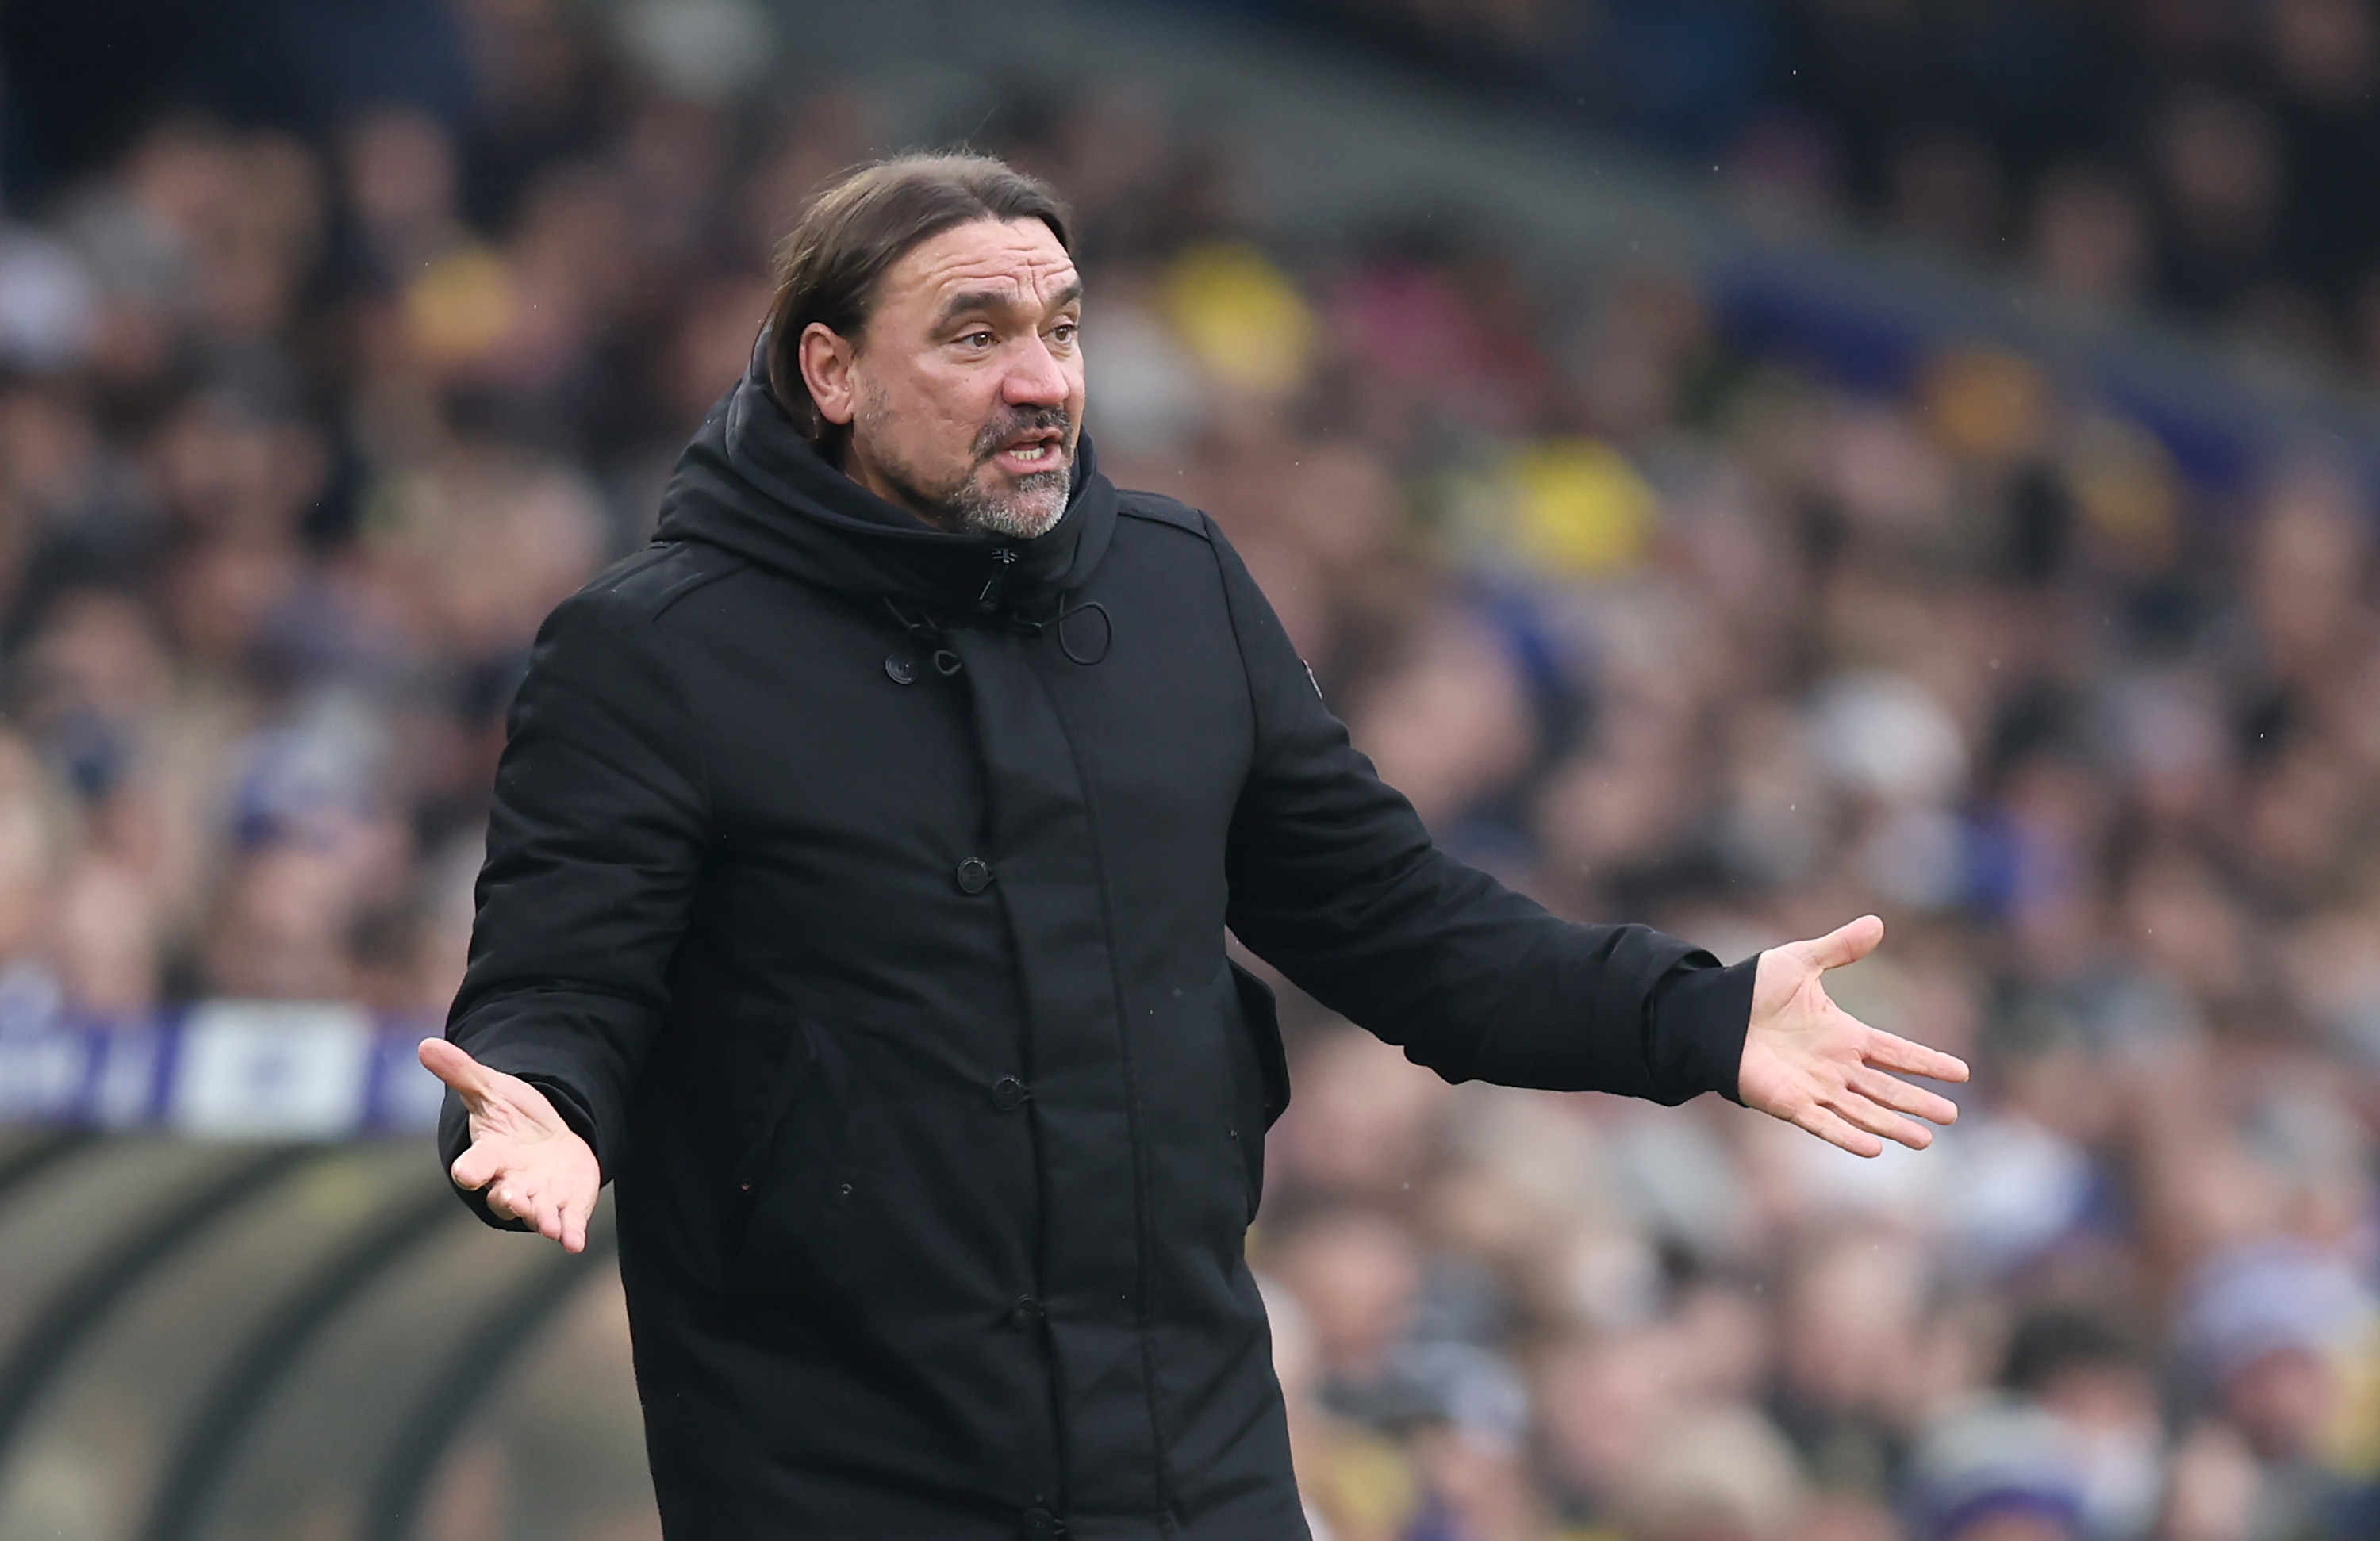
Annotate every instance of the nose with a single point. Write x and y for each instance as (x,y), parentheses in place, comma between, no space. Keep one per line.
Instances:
(1035,378)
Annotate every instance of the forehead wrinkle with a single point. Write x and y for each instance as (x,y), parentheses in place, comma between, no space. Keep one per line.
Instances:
(1008,298)
(1020,262)
(995,275)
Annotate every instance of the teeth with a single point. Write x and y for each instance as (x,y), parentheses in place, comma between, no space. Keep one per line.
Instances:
(1036,453)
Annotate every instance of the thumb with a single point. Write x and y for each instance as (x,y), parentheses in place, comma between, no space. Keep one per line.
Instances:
(1845,945)
(467,1075)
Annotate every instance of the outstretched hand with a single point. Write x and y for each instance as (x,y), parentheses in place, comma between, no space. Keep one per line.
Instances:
(533,1166)
(1815,1065)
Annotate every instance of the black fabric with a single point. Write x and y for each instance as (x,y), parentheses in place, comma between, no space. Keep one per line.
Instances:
(933,1183)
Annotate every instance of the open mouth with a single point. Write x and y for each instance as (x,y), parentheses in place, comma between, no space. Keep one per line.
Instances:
(1037,451)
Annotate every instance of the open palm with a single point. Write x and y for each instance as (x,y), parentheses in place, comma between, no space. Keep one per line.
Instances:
(534,1165)
(1815,1065)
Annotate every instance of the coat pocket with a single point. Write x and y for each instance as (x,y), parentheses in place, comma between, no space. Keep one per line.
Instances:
(781,1083)
(790,1175)
(1260,1071)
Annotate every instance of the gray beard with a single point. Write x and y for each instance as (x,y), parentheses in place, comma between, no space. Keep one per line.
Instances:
(1034,508)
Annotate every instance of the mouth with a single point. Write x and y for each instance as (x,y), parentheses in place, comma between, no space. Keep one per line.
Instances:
(1027,453)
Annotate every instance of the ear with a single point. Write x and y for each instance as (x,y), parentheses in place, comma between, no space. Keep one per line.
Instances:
(827,359)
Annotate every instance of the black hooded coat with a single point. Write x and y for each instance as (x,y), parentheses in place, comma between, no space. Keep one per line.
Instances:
(859,891)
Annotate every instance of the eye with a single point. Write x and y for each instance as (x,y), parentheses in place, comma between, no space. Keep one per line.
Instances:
(980,339)
(1065,332)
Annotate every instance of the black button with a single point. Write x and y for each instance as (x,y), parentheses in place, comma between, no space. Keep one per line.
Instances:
(1025,1314)
(975,875)
(1008,1094)
(1039,1525)
(901,669)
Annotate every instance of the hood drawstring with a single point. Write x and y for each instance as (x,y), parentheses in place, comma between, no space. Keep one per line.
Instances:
(1004,559)
(927,632)
(1091,652)
(1107,632)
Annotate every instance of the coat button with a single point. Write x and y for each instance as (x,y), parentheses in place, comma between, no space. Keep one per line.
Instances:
(901,669)
(975,875)
(1008,1094)
(1025,1314)
(1039,1525)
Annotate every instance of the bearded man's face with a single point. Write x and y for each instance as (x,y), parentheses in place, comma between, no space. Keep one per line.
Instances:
(965,394)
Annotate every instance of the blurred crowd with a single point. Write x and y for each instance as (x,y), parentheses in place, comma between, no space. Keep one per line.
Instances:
(301,436)
(2216,155)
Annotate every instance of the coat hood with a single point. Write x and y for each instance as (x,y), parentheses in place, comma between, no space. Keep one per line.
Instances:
(750,484)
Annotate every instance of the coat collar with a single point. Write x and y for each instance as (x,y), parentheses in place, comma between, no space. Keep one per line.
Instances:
(751,484)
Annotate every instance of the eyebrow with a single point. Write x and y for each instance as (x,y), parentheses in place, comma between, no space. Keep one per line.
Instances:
(970,301)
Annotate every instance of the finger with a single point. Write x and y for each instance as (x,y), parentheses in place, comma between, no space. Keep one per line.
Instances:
(500,1202)
(1901,1097)
(1865,1114)
(552,1216)
(1887,1052)
(476,1166)
(569,1224)
(522,1195)
(575,1214)
(1823,1122)
(1844,944)
(471,1079)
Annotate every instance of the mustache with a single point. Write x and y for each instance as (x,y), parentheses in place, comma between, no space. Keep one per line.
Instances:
(1024,419)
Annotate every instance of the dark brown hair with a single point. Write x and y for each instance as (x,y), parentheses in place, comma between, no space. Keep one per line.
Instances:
(861,224)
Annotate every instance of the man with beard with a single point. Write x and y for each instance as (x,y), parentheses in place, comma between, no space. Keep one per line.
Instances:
(856,897)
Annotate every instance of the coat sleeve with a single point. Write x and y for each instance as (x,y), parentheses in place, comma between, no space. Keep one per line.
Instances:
(595,845)
(1334,880)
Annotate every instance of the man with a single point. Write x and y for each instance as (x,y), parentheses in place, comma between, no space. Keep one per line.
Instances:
(856,898)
